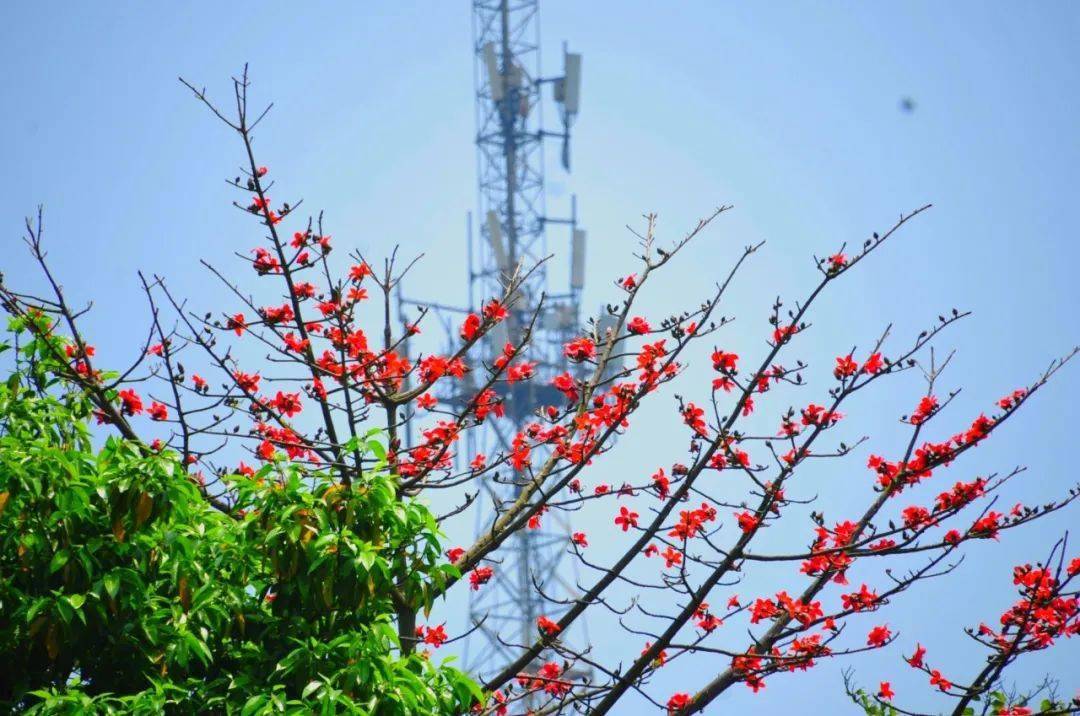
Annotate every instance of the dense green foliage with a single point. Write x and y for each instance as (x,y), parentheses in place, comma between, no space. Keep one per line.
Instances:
(122,590)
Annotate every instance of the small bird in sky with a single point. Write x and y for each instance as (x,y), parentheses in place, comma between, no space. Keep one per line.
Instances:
(907,105)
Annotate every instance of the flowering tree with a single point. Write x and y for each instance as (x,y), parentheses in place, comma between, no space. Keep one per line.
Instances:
(334,388)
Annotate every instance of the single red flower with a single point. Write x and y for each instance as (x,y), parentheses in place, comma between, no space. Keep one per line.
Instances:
(479,577)
(436,636)
(725,362)
(288,404)
(678,702)
(784,333)
(924,409)
(580,349)
(626,519)
(845,367)
(359,271)
(236,323)
(873,364)
(547,626)
(747,522)
(936,679)
(495,311)
(470,328)
(672,557)
(247,382)
(916,659)
(265,262)
(878,636)
(130,402)
(157,411)
(265,451)
(638,325)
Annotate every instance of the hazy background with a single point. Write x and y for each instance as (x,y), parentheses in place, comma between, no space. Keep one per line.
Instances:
(789,111)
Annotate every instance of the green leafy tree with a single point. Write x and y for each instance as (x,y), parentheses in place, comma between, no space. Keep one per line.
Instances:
(123,590)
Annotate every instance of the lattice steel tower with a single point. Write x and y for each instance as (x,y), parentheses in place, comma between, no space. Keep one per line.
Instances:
(510,140)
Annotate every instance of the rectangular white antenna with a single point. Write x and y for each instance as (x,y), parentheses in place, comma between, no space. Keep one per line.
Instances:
(495,237)
(577,259)
(572,82)
(494,77)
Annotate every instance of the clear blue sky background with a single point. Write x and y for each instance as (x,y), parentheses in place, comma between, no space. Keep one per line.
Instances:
(787,110)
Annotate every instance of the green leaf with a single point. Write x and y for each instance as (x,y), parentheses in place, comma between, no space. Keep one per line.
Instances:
(112,584)
(59,560)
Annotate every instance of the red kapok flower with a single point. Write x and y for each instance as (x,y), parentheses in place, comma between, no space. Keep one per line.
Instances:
(873,364)
(265,451)
(157,411)
(470,328)
(916,659)
(547,626)
(678,702)
(626,519)
(747,521)
(236,323)
(638,325)
(845,367)
(580,349)
(480,576)
(878,636)
(936,679)
(287,404)
(436,636)
(130,402)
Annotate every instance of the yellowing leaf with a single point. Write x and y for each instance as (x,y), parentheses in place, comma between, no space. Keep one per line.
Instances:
(142,509)
(185,594)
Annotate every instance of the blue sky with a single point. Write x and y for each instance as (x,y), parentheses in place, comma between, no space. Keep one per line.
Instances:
(789,111)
